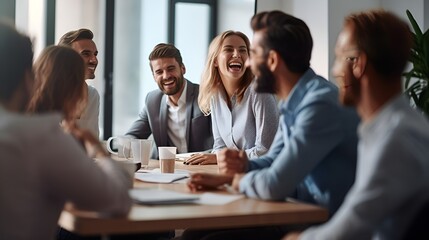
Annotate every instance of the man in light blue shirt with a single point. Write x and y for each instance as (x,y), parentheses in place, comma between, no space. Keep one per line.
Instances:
(392,178)
(313,155)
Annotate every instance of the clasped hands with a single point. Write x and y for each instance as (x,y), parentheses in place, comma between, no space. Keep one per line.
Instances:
(232,166)
(92,145)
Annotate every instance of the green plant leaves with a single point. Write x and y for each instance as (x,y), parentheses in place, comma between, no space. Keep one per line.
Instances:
(418,91)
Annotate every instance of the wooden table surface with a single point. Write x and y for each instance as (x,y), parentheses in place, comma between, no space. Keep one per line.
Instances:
(244,212)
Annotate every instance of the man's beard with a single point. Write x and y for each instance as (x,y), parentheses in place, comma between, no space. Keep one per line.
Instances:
(179,83)
(265,82)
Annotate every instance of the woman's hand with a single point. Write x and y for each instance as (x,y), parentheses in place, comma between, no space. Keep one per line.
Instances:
(201,159)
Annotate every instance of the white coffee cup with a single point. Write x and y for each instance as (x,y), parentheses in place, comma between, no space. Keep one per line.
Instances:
(141,149)
(167,158)
(124,146)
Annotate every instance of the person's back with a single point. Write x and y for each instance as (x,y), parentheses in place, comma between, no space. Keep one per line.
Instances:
(402,137)
(38,176)
(392,176)
(39,161)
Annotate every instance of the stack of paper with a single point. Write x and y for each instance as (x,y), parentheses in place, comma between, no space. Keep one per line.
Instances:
(154,177)
(154,196)
(151,196)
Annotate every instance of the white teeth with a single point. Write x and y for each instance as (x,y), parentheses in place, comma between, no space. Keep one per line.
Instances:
(234,64)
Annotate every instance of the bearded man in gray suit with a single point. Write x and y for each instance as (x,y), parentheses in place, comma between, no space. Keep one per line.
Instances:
(171,113)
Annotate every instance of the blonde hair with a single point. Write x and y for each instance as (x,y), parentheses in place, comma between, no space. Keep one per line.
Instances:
(59,83)
(211,82)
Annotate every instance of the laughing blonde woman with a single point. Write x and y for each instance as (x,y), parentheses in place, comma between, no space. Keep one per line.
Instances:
(241,118)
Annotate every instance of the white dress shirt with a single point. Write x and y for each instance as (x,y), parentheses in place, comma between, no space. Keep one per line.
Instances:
(250,125)
(89,118)
(177,122)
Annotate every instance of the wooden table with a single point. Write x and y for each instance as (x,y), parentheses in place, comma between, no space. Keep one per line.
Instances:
(244,212)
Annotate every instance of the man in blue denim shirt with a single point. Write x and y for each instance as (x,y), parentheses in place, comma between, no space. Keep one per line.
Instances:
(313,156)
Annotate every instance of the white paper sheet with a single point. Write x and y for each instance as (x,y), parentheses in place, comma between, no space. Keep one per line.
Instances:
(217,199)
(153,196)
(160,177)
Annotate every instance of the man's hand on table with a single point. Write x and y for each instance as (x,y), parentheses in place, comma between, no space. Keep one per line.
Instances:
(209,181)
(292,236)
(206,181)
(231,161)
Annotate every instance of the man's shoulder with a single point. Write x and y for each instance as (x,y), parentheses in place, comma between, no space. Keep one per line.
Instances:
(192,83)
(320,89)
(194,86)
(92,93)
(154,95)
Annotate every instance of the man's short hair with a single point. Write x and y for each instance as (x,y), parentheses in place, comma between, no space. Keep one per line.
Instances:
(165,50)
(16,58)
(385,38)
(72,36)
(287,35)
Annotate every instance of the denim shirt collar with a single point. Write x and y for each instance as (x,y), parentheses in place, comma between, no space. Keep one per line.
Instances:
(297,93)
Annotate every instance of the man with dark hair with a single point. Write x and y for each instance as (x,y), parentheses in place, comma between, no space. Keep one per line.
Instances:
(81,41)
(171,114)
(39,161)
(392,180)
(313,155)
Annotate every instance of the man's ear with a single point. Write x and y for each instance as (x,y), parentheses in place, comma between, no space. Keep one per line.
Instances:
(183,69)
(273,60)
(359,65)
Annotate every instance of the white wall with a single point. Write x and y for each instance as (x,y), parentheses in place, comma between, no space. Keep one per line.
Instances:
(399,7)
(152,32)
(269,5)
(235,15)
(30,19)
(307,10)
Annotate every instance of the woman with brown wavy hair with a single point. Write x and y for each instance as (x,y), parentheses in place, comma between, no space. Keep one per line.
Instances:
(59,84)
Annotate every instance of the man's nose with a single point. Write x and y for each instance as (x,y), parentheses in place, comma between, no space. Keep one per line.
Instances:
(165,75)
(93,59)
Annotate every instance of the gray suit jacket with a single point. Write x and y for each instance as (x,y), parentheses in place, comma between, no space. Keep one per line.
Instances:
(153,120)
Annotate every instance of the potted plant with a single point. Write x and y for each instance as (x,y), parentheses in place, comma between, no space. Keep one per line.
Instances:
(417,79)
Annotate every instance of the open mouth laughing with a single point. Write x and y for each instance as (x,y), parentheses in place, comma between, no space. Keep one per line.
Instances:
(235,66)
